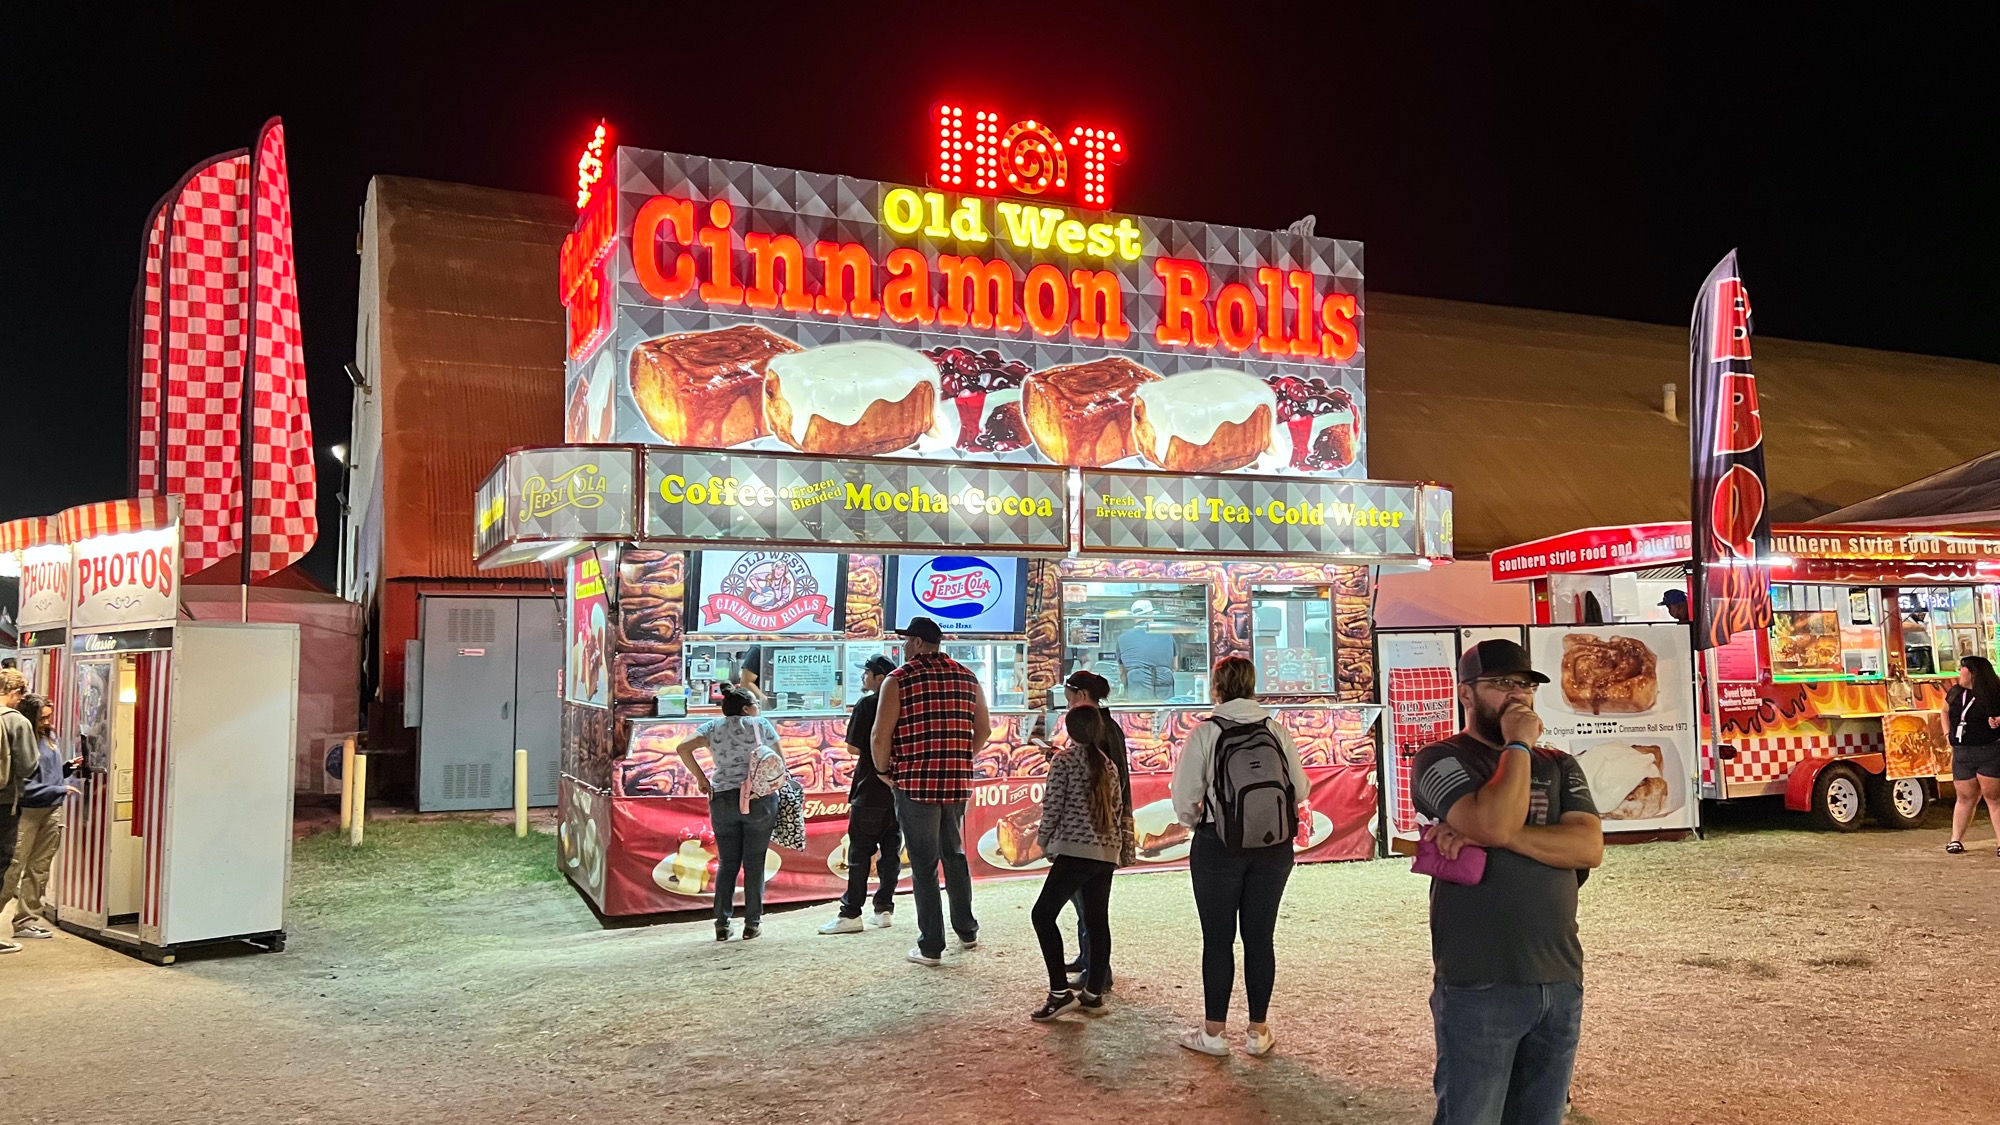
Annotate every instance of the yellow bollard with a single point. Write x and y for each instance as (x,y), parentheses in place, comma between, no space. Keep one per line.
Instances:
(360,799)
(520,794)
(347,757)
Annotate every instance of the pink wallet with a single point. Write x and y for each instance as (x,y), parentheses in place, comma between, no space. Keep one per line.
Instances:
(1469,868)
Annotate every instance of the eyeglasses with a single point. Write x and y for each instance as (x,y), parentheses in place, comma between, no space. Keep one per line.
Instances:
(1510,683)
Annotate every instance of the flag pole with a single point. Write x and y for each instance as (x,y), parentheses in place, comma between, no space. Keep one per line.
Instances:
(246,445)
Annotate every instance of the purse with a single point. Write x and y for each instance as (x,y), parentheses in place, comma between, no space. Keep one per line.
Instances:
(1468,869)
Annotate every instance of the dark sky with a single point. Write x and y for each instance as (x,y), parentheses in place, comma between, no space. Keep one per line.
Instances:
(1591,158)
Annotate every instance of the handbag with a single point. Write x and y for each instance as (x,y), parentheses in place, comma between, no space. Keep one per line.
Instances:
(1468,868)
(790,831)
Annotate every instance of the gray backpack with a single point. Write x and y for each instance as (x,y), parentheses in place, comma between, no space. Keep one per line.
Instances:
(1256,806)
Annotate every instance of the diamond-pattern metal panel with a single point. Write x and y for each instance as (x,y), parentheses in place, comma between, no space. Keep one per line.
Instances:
(813,207)
(1235,516)
(705,497)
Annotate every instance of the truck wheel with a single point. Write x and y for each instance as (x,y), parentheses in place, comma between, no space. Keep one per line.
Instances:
(1837,801)
(1898,804)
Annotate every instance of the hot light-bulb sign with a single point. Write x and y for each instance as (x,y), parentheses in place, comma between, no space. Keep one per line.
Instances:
(976,152)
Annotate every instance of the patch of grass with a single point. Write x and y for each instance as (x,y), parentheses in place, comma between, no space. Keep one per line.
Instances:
(1850,960)
(404,862)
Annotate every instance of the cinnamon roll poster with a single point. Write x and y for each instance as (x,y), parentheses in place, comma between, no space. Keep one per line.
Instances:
(1620,698)
(587,678)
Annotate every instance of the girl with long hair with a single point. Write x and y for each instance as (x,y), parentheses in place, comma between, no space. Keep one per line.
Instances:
(1972,719)
(1086,833)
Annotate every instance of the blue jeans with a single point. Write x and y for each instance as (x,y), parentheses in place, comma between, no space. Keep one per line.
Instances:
(932,835)
(1504,1052)
(741,841)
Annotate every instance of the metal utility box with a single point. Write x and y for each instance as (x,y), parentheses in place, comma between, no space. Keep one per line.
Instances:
(489,684)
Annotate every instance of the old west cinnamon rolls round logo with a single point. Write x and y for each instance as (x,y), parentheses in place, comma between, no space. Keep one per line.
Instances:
(768,591)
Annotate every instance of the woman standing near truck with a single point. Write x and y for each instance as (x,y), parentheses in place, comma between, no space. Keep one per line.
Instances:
(1972,718)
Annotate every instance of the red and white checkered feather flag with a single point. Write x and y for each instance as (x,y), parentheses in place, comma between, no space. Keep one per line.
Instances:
(146,357)
(204,327)
(284,517)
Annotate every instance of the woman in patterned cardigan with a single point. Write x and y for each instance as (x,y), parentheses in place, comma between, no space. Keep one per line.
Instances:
(1086,833)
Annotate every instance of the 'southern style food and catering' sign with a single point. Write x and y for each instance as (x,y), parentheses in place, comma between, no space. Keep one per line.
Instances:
(1232,516)
(704,497)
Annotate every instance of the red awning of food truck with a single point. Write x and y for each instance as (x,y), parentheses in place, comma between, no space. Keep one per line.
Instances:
(1800,552)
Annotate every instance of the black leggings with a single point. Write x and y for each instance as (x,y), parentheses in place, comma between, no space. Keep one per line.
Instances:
(1229,886)
(1068,876)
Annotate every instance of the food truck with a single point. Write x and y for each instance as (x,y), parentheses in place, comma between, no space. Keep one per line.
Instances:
(177,829)
(1838,705)
(806,408)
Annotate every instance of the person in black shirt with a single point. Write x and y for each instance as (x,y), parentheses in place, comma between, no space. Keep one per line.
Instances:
(1972,720)
(1507,998)
(871,816)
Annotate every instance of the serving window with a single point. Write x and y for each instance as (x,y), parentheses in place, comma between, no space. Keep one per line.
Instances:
(1292,639)
(1941,626)
(1149,639)
(1826,632)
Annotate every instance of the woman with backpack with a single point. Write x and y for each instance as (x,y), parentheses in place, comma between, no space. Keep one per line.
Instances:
(1238,786)
(742,802)
(1087,834)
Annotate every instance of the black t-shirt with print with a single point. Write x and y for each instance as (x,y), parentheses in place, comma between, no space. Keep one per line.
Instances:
(1517,925)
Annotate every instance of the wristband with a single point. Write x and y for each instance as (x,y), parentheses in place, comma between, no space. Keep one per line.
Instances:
(1518,742)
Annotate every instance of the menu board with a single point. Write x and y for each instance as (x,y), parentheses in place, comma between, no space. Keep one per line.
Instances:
(1621,700)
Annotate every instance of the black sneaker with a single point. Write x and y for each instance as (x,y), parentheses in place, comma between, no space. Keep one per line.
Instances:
(722,931)
(1055,1005)
(1092,1002)
(751,930)
(1076,966)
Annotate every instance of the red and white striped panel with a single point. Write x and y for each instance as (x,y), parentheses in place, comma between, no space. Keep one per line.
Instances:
(80,867)
(1772,759)
(112,517)
(31,531)
(150,739)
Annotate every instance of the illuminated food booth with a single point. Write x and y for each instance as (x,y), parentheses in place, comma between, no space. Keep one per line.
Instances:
(806,408)
(178,829)
(1838,706)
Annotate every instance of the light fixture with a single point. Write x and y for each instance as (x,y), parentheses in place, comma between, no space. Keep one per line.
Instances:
(339,451)
(354,376)
(558,550)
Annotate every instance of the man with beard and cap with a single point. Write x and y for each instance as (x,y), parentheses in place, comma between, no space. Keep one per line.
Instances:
(1507,995)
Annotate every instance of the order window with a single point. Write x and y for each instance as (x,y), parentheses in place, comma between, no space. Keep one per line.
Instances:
(1826,632)
(1940,627)
(1149,639)
(1292,639)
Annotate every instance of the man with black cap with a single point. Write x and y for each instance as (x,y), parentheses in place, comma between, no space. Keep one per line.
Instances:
(931,720)
(1507,996)
(871,814)
(1676,602)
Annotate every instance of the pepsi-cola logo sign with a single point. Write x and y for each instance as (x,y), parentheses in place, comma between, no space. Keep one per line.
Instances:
(957,587)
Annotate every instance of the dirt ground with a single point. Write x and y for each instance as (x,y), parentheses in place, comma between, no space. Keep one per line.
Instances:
(1764,974)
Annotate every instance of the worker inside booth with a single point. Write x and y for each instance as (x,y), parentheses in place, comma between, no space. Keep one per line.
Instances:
(1149,639)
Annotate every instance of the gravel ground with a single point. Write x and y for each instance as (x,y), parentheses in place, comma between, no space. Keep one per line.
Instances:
(1765,974)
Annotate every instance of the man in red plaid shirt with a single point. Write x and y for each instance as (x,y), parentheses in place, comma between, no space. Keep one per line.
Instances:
(931,720)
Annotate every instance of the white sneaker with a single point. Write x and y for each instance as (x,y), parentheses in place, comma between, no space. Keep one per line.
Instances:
(882,921)
(965,946)
(1195,1039)
(1257,1044)
(842,925)
(919,957)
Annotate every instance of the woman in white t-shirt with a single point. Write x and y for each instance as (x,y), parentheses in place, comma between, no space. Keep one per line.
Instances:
(742,802)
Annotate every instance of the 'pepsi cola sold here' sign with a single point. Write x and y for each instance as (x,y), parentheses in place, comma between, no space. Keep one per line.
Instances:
(962,593)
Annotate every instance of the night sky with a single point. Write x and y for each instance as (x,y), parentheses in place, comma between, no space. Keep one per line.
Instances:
(1590,158)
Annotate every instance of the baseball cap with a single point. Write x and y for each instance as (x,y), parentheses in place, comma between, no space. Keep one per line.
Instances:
(1674,597)
(1090,683)
(923,629)
(1496,658)
(879,664)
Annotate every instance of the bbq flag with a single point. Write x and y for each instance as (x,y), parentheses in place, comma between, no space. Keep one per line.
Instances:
(218,413)
(1731,519)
